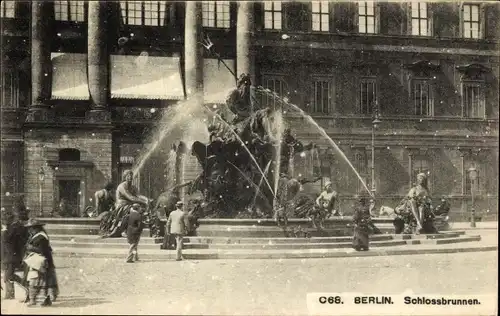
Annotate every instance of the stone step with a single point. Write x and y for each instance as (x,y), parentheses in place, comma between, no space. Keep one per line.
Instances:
(97,239)
(215,240)
(72,229)
(279,240)
(429,236)
(57,244)
(454,240)
(239,240)
(201,254)
(60,244)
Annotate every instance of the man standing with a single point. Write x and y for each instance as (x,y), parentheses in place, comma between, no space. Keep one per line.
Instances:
(134,231)
(176,226)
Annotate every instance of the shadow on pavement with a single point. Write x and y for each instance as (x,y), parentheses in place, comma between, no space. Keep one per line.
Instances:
(78,301)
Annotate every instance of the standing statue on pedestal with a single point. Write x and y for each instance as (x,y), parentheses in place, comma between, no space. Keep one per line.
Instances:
(415,211)
(239,100)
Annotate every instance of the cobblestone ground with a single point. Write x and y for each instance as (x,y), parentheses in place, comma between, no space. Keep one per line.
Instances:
(100,286)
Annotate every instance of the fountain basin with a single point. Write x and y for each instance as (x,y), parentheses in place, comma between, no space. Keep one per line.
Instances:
(222,227)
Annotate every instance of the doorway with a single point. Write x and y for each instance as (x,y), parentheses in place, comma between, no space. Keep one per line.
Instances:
(70,191)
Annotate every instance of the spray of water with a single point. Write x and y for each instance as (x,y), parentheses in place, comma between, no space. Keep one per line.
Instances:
(174,117)
(244,146)
(277,132)
(170,169)
(324,134)
(266,169)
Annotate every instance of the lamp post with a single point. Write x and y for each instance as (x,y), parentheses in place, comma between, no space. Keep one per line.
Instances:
(472,176)
(376,121)
(41,178)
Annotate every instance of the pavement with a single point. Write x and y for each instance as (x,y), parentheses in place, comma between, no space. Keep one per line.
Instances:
(94,286)
(479,226)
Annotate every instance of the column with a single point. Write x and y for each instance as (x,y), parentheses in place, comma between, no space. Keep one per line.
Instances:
(41,18)
(98,75)
(193,50)
(115,159)
(411,153)
(244,29)
(463,152)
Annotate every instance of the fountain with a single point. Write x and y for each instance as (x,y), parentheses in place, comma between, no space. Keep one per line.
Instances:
(245,152)
(246,160)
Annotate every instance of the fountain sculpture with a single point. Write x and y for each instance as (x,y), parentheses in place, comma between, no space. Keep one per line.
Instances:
(245,164)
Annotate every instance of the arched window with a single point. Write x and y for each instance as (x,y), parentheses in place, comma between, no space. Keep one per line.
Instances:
(69,154)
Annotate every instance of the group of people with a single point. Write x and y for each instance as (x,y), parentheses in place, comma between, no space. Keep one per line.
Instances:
(129,216)
(26,248)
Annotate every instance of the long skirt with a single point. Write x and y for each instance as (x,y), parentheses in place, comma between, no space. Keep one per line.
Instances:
(361,238)
(46,281)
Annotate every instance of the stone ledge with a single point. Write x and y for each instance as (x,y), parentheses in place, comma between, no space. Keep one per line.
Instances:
(162,255)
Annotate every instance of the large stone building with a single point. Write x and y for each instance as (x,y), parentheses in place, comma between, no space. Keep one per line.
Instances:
(82,82)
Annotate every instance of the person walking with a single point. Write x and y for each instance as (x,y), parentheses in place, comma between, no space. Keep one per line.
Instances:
(177,226)
(12,246)
(134,231)
(41,271)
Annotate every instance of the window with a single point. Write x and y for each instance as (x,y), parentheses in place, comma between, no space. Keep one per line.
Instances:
(323,96)
(422,98)
(69,10)
(149,13)
(419,19)
(276,85)
(320,16)
(272,15)
(216,14)
(367,95)
(473,100)
(366,17)
(471,20)
(69,154)
(360,163)
(8,9)
(10,89)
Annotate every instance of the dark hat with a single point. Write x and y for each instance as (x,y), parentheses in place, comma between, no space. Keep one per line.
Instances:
(33,223)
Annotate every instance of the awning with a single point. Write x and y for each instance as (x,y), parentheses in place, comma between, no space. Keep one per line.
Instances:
(217,80)
(146,77)
(69,76)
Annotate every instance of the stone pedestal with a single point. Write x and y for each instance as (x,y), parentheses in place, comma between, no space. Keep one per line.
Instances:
(98,115)
(40,113)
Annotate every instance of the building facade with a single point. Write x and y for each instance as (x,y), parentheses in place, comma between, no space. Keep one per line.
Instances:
(84,82)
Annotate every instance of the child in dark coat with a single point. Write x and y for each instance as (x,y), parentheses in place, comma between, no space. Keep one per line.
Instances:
(134,231)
